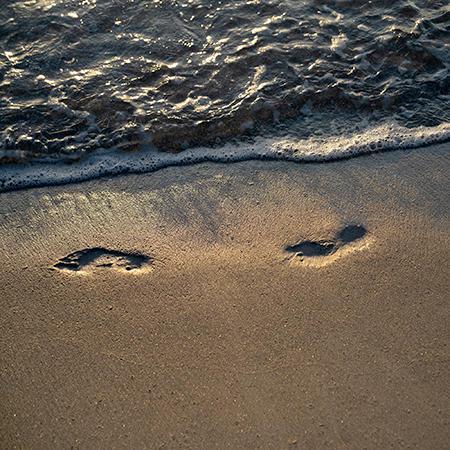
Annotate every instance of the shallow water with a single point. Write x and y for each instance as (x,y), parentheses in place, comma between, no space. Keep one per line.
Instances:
(97,76)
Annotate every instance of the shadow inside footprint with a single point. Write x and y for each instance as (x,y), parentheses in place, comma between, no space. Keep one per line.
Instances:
(92,258)
(351,233)
(311,249)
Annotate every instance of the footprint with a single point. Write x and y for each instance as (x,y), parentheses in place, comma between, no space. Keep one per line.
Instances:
(96,258)
(323,252)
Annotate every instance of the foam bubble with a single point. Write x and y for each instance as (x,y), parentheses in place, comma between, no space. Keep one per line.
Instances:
(148,159)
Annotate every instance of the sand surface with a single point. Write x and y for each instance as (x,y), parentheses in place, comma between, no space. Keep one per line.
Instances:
(249,305)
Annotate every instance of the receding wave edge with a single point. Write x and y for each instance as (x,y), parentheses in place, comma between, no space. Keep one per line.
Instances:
(148,159)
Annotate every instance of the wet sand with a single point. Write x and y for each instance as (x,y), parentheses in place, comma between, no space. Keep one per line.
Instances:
(248,305)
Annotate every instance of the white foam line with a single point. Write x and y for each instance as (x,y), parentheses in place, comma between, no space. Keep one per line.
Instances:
(111,162)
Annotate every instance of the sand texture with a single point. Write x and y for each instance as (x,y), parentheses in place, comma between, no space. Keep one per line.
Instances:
(248,305)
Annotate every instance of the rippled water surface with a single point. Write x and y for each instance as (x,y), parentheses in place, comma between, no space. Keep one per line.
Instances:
(82,75)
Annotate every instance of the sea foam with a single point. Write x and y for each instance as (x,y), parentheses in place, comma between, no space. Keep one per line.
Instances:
(148,159)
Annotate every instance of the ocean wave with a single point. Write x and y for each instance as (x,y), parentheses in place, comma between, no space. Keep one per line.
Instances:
(80,76)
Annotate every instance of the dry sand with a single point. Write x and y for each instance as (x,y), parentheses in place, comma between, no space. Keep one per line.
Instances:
(174,310)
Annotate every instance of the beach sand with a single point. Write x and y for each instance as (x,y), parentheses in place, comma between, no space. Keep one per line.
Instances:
(230,306)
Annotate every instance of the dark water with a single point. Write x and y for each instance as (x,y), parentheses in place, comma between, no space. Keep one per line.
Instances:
(79,76)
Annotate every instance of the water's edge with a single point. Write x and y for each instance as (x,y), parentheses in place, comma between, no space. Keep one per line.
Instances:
(145,160)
